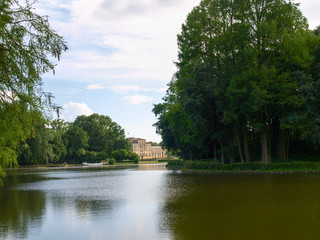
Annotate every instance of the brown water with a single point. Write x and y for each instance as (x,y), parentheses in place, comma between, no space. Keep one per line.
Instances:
(150,202)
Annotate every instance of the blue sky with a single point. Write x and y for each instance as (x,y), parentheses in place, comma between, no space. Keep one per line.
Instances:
(120,56)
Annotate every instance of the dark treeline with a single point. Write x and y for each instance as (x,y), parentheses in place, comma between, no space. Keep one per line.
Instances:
(247,86)
(88,139)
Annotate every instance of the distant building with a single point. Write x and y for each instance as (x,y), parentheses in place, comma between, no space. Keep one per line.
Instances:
(145,151)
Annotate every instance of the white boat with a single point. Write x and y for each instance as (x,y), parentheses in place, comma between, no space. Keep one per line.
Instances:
(92,164)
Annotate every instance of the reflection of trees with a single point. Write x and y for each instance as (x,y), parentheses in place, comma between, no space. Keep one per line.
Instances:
(241,207)
(19,210)
(176,190)
(83,205)
(152,167)
(93,208)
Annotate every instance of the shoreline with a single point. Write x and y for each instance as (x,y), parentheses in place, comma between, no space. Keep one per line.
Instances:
(251,172)
(79,166)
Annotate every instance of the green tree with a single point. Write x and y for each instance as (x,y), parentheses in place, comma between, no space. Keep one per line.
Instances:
(104,134)
(242,67)
(76,140)
(27,45)
(123,154)
(46,146)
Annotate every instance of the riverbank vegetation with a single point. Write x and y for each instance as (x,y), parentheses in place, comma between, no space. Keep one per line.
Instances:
(247,85)
(253,166)
(91,138)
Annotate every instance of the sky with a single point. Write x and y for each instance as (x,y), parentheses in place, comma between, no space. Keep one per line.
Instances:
(121,56)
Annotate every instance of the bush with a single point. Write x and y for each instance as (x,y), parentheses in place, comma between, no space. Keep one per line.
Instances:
(135,157)
(101,156)
(89,156)
(175,163)
(254,166)
(120,154)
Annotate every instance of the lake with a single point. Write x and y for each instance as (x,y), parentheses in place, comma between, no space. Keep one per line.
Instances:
(152,202)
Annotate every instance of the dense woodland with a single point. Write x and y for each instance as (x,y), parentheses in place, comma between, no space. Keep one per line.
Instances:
(91,138)
(247,85)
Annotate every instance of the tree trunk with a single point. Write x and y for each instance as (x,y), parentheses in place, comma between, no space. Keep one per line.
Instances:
(264,147)
(246,146)
(221,152)
(231,151)
(287,149)
(282,146)
(215,150)
(239,146)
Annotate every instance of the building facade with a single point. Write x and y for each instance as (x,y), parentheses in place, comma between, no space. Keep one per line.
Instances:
(145,151)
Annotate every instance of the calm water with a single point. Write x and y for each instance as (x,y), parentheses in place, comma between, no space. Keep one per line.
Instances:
(150,202)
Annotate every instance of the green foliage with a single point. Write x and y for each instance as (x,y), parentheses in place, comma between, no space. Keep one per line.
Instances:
(112,161)
(175,163)
(27,45)
(70,143)
(123,154)
(76,142)
(104,134)
(248,73)
(134,157)
(8,158)
(254,166)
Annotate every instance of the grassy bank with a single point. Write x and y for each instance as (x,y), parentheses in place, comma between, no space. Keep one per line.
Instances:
(255,166)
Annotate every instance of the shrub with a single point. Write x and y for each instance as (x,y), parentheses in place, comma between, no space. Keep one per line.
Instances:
(254,166)
(175,163)
(135,157)
(101,156)
(120,154)
(112,161)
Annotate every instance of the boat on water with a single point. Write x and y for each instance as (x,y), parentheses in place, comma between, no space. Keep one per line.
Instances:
(92,164)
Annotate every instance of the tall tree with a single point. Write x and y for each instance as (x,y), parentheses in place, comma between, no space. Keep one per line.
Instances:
(104,134)
(238,78)
(27,45)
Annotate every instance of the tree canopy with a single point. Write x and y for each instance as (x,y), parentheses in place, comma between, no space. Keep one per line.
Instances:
(27,46)
(246,70)
(88,139)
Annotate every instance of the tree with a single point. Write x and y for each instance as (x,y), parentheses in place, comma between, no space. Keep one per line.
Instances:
(104,134)
(76,140)
(27,45)
(242,67)
(123,154)
(42,148)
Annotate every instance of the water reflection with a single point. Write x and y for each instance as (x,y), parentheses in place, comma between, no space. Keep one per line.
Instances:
(245,207)
(151,203)
(20,209)
(87,204)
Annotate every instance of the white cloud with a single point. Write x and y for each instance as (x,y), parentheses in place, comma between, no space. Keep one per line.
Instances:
(124,88)
(124,39)
(95,86)
(137,99)
(72,110)
(140,37)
